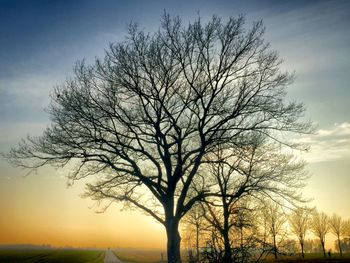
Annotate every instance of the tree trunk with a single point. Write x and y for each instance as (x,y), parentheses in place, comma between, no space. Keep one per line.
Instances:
(225,234)
(174,240)
(274,246)
(339,245)
(323,248)
(302,249)
(228,253)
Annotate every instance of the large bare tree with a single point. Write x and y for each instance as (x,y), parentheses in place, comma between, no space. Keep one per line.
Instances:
(142,118)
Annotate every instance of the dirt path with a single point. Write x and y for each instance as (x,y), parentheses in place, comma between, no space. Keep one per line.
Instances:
(111,258)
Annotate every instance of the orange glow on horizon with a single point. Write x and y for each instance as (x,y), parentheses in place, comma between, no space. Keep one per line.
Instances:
(40,209)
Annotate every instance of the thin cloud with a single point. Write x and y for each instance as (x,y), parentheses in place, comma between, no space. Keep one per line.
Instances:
(328,144)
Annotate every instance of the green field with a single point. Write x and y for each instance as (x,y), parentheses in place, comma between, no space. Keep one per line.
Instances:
(51,256)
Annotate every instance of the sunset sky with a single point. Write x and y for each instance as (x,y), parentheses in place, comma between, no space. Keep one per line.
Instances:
(39,44)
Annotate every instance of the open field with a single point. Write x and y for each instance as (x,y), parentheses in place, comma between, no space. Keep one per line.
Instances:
(132,256)
(154,256)
(51,256)
(310,257)
(141,255)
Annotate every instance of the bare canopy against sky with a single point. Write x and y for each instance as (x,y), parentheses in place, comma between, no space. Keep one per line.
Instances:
(142,120)
(41,41)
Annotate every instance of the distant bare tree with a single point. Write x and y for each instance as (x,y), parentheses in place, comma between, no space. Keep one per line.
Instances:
(288,246)
(258,171)
(214,248)
(275,220)
(143,118)
(320,227)
(312,246)
(194,222)
(244,229)
(347,228)
(299,223)
(337,228)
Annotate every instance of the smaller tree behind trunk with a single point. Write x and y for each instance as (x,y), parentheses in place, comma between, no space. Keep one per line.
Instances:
(193,225)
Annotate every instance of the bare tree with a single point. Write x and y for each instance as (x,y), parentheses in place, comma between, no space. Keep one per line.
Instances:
(347,228)
(337,228)
(258,171)
(299,223)
(275,220)
(194,222)
(312,246)
(142,119)
(214,249)
(242,222)
(320,227)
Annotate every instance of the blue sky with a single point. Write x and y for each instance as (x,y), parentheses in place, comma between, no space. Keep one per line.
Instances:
(41,40)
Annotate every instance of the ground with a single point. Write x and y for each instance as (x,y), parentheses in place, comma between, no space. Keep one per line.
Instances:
(312,257)
(130,256)
(51,256)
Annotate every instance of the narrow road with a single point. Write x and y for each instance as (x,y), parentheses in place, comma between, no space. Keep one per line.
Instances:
(111,258)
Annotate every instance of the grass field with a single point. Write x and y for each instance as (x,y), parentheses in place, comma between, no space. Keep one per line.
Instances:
(140,255)
(154,256)
(132,256)
(51,256)
(310,257)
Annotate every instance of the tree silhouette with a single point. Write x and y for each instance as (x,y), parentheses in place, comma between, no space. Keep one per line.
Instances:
(299,221)
(194,222)
(255,172)
(275,220)
(337,228)
(320,227)
(347,228)
(142,118)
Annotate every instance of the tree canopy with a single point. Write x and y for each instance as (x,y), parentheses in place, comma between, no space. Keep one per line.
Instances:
(143,118)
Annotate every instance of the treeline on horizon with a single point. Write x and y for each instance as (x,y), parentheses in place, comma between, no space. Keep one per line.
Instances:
(260,230)
(43,247)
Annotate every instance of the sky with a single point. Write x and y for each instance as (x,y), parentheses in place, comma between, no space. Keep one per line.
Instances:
(41,40)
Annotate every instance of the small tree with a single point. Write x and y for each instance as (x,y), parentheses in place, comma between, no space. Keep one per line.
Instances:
(256,171)
(275,220)
(194,222)
(337,228)
(299,223)
(347,228)
(312,246)
(243,228)
(143,118)
(320,227)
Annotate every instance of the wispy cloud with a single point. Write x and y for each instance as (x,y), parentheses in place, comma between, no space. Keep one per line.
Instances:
(310,37)
(328,144)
